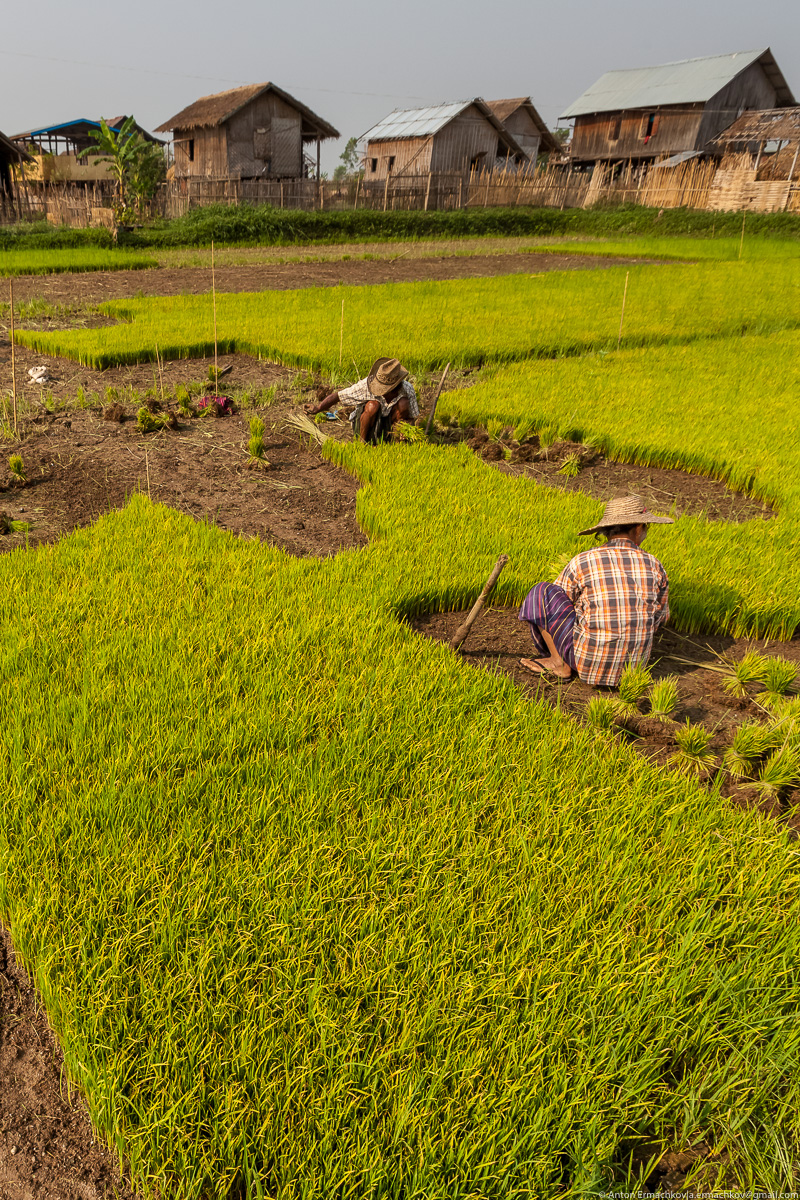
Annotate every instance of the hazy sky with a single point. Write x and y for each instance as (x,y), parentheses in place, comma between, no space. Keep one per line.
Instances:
(354,61)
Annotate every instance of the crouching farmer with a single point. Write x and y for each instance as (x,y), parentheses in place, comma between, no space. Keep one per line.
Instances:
(606,605)
(376,403)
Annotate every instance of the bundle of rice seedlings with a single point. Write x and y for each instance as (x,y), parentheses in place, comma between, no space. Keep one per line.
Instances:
(301,422)
(750,742)
(404,431)
(600,713)
(780,771)
(632,686)
(693,754)
(523,430)
(494,428)
(548,435)
(145,421)
(17,468)
(258,459)
(780,676)
(663,698)
(737,675)
(571,465)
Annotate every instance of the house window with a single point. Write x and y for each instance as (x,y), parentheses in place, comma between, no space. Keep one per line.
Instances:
(616,125)
(391,162)
(373,164)
(649,125)
(190,150)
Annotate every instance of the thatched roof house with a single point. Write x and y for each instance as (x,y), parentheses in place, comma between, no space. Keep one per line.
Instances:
(462,136)
(524,123)
(674,109)
(253,132)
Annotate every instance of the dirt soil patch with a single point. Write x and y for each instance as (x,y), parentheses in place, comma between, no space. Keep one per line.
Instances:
(82,462)
(663,489)
(98,286)
(498,640)
(48,1149)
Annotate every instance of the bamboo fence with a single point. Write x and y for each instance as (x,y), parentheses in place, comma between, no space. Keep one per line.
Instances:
(733,184)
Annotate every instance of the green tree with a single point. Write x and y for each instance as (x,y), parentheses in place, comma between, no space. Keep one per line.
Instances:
(137,165)
(349,159)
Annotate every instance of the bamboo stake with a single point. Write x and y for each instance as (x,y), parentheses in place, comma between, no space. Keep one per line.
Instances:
(741,242)
(460,635)
(13,357)
(147,468)
(622,314)
(160,373)
(341,336)
(436,399)
(214,302)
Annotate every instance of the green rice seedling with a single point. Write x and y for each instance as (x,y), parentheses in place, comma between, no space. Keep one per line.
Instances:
(523,429)
(147,422)
(548,435)
(749,669)
(693,754)
(183,400)
(571,465)
(17,468)
(633,685)
(780,772)
(663,698)
(779,676)
(255,446)
(600,713)
(750,742)
(89,258)
(404,431)
(494,429)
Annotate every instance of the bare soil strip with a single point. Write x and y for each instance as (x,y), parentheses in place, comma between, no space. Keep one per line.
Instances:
(96,287)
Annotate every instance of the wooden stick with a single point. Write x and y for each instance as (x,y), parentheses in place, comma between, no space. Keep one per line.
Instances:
(214,302)
(460,635)
(341,336)
(147,468)
(741,242)
(622,314)
(13,358)
(160,373)
(436,400)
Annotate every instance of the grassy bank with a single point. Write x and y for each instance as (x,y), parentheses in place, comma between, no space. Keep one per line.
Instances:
(263,225)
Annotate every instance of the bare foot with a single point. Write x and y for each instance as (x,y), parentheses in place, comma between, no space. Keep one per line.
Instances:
(547,666)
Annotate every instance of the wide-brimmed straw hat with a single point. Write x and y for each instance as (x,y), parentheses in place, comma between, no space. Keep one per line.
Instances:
(626,510)
(384,375)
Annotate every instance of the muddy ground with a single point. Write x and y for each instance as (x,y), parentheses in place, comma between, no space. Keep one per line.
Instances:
(96,286)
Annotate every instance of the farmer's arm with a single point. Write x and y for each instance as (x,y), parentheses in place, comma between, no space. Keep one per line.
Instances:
(662,601)
(323,405)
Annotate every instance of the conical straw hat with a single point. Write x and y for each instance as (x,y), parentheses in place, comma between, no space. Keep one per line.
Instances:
(626,510)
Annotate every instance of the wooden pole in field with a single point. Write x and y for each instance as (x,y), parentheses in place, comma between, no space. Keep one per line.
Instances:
(214,302)
(358,189)
(341,336)
(741,240)
(160,373)
(13,357)
(436,400)
(622,314)
(460,635)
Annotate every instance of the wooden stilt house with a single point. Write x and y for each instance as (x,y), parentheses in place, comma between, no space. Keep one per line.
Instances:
(459,137)
(649,113)
(253,132)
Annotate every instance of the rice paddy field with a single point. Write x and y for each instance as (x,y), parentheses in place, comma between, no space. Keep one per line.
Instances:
(81,258)
(317,909)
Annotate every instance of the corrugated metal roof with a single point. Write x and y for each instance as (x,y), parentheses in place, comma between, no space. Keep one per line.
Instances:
(692,81)
(415,122)
(675,161)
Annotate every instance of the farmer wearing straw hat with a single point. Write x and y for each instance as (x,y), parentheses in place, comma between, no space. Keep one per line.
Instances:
(606,605)
(377,402)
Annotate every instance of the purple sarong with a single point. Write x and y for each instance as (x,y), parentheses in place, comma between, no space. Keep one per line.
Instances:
(547,606)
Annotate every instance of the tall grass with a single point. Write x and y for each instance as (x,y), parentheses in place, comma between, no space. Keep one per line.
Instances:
(318,909)
(466,322)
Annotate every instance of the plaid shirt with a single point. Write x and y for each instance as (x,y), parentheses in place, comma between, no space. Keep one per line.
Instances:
(620,593)
(359,392)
